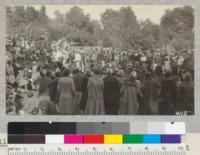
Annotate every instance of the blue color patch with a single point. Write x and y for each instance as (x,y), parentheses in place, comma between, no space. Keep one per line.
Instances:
(152,139)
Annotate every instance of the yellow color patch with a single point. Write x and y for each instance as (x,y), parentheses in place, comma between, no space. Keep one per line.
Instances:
(113,139)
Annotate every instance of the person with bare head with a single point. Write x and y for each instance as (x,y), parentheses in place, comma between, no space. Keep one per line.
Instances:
(66,94)
(130,91)
(95,101)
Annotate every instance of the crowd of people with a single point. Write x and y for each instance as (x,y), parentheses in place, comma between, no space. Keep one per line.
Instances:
(97,81)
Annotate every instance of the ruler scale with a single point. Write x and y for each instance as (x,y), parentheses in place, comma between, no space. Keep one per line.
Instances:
(99,149)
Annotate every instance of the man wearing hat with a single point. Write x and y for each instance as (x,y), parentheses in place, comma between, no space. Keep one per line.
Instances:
(111,94)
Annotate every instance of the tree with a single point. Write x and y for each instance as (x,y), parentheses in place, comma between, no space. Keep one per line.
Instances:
(120,27)
(42,15)
(79,28)
(15,19)
(177,26)
(128,28)
(59,17)
(109,18)
(110,28)
(76,18)
(31,14)
(149,37)
(56,26)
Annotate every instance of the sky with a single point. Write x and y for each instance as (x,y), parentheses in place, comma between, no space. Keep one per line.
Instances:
(152,12)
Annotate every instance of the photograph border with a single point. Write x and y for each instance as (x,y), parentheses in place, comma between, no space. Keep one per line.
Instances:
(192,122)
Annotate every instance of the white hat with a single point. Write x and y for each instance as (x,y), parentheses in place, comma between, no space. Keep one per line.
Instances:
(134,74)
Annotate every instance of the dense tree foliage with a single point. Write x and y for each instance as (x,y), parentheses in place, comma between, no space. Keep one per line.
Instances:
(116,28)
(178,27)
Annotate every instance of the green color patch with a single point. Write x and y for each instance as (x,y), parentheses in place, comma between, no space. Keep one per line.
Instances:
(132,139)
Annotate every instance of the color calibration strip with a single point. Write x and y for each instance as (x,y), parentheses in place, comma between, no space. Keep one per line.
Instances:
(95,139)
(95,133)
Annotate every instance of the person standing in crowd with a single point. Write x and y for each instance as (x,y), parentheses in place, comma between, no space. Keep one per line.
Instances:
(167,63)
(168,95)
(120,76)
(150,95)
(66,94)
(10,73)
(95,101)
(78,83)
(34,71)
(180,61)
(44,83)
(45,105)
(158,72)
(53,88)
(84,90)
(130,91)
(142,70)
(185,97)
(111,94)
(15,68)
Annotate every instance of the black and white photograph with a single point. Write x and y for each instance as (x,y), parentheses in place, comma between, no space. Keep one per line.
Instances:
(100,60)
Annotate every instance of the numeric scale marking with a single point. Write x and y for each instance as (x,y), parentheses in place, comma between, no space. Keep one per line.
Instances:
(100,149)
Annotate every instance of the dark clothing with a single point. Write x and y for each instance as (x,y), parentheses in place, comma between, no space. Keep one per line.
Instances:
(188,63)
(142,70)
(185,97)
(78,79)
(29,85)
(84,91)
(78,83)
(150,99)
(168,97)
(53,91)
(44,85)
(158,71)
(111,95)
(15,69)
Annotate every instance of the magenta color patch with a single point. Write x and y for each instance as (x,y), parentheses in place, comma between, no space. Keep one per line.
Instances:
(73,139)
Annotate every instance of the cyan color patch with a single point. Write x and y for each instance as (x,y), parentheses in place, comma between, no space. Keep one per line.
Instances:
(152,139)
